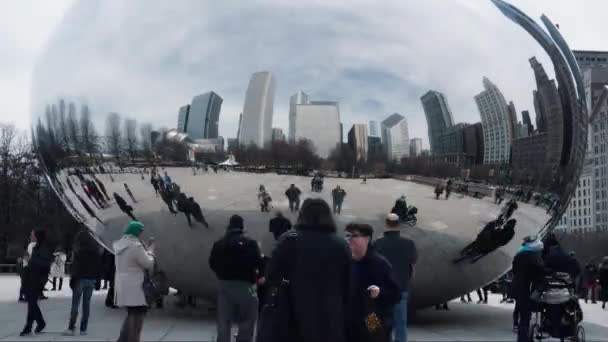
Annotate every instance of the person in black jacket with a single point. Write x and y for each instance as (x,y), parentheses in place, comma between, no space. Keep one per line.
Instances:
(86,272)
(293,196)
(35,276)
(279,225)
(122,204)
(319,271)
(528,271)
(375,289)
(236,261)
(108,268)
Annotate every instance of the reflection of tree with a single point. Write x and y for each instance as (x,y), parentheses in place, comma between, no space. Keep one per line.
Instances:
(131,140)
(88,135)
(114,135)
(171,150)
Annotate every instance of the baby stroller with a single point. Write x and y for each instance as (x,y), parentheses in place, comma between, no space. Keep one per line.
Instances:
(557,313)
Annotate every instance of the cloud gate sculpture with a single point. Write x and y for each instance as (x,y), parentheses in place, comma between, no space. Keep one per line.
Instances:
(495,109)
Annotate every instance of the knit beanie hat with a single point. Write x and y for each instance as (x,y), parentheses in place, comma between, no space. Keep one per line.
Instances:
(134,228)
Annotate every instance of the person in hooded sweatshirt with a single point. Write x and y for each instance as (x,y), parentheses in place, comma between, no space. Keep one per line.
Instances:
(132,259)
(528,270)
(35,276)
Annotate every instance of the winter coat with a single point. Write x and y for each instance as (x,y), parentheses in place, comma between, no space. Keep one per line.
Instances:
(528,270)
(319,270)
(58,265)
(293,193)
(86,264)
(338,195)
(278,226)
(38,268)
(131,260)
(559,261)
(236,257)
(108,266)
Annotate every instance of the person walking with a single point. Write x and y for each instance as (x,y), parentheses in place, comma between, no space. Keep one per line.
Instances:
(128,190)
(58,269)
(236,260)
(603,278)
(124,207)
(589,281)
(466,298)
(35,276)
(338,195)
(108,269)
(438,190)
(20,268)
(482,294)
(448,189)
(86,267)
(197,212)
(132,261)
(279,225)
(528,270)
(318,266)
(375,289)
(402,254)
(264,199)
(293,196)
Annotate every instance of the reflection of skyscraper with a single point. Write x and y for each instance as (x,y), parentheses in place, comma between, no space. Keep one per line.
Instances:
(294,100)
(357,140)
(438,115)
(256,125)
(238,130)
(182,118)
(395,137)
(473,142)
(495,121)
(319,122)
(278,135)
(538,109)
(512,119)
(415,147)
(374,149)
(525,115)
(204,116)
(373,129)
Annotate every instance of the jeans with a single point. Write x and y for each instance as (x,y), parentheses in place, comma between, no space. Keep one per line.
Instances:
(237,303)
(83,289)
(133,323)
(337,206)
(400,318)
(294,205)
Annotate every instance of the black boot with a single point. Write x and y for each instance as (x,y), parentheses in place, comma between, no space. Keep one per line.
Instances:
(40,327)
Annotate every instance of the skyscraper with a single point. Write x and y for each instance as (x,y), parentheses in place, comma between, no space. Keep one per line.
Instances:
(256,125)
(438,115)
(357,140)
(238,130)
(294,100)
(415,147)
(319,122)
(277,134)
(496,124)
(395,137)
(182,118)
(525,115)
(204,116)
(373,129)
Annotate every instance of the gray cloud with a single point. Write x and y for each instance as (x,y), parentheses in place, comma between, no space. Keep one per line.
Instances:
(147,58)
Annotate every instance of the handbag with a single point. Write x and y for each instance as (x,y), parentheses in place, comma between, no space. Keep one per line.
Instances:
(276,322)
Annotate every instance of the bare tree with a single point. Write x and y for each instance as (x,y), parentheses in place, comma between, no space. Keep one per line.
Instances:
(145,131)
(131,140)
(63,128)
(114,135)
(88,135)
(73,129)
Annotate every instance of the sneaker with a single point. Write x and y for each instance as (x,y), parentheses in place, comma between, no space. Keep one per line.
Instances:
(68,332)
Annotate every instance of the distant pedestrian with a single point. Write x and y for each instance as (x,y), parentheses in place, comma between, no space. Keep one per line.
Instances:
(86,267)
(402,254)
(122,204)
(590,282)
(20,268)
(35,276)
(438,190)
(130,193)
(448,188)
(132,260)
(197,212)
(338,195)
(466,298)
(155,184)
(375,289)
(603,278)
(167,180)
(482,294)
(293,196)
(236,260)
(279,225)
(58,269)
(264,199)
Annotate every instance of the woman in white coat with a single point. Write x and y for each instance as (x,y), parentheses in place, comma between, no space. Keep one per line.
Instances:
(58,269)
(132,259)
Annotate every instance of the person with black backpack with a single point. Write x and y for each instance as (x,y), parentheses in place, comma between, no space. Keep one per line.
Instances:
(236,261)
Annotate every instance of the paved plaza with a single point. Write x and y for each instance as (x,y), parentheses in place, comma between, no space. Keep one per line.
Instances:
(464,322)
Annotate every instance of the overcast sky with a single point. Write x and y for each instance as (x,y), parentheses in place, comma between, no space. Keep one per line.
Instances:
(145,58)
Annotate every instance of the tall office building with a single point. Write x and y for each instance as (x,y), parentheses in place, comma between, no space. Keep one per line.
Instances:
(277,134)
(294,100)
(512,119)
(579,215)
(256,125)
(395,137)
(204,116)
(415,147)
(495,121)
(373,129)
(357,140)
(182,118)
(319,122)
(473,142)
(525,115)
(238,130)
(438,116)
(374,149)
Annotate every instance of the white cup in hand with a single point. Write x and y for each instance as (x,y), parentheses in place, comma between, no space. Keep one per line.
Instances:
(374,291)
